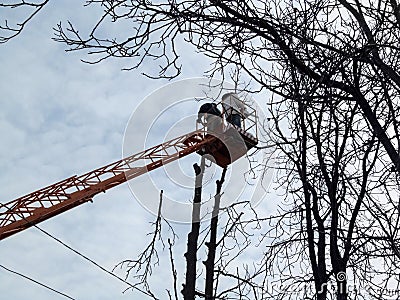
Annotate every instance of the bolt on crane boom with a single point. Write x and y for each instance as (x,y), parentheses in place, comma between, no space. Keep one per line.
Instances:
(62,196)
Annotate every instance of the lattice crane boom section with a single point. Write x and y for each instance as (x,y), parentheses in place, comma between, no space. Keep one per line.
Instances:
(47,202)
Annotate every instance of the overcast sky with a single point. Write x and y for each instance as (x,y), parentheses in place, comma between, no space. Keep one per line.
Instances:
(60,117)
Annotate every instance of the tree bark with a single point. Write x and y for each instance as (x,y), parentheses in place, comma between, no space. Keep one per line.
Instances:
(212,244)
(189,288)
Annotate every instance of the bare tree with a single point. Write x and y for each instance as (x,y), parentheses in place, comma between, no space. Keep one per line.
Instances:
(333,67)
(27,9)
(336,176)
(347,45)
(350,46)
(229,234)
(143,267)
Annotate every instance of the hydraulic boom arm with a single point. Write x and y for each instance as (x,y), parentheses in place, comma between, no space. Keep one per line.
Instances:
(45,203)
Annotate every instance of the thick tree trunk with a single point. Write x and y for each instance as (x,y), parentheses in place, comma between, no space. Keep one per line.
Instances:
(189,288)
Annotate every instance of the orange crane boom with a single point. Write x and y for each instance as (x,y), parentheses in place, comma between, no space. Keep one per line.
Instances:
(47,202)
(226,143)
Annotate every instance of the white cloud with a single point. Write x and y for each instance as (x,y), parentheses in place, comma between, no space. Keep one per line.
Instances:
(58,118)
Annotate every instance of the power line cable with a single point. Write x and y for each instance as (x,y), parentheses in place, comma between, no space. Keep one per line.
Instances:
(93,262)
(147,293)
(37,282)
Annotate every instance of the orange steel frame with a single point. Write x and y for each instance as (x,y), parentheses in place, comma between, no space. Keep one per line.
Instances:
(47,202)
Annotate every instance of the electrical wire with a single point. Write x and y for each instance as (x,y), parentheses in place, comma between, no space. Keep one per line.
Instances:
(84,257)
(92,261)
(37,282)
